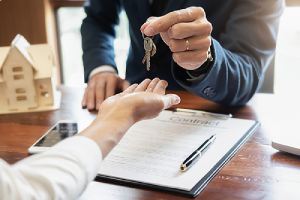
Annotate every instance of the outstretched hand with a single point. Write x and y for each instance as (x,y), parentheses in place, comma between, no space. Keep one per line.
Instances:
(119,112)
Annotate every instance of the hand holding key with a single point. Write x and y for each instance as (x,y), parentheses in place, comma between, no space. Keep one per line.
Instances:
(150,50)
(187,33)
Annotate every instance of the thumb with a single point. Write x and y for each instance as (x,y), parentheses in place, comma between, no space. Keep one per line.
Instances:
(149,21)
(170,100)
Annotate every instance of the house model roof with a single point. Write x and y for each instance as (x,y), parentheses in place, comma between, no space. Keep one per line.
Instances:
(40,56)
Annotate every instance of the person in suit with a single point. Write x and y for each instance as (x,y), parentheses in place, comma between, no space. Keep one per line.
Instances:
(64,171)
(216,49)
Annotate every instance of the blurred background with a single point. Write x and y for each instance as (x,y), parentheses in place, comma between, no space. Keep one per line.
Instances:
(57,22)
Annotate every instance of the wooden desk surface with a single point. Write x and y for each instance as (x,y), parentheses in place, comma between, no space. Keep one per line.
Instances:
(257,171)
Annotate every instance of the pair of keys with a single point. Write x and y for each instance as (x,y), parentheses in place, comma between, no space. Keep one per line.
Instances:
(150,50)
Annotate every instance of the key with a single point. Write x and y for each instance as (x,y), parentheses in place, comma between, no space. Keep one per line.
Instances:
(148,46)
(150,50)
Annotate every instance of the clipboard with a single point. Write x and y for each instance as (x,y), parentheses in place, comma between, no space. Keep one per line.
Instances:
(203,181)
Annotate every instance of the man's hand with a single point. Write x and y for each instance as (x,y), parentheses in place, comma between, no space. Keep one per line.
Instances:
(118,113)
(187,33)
(100,87)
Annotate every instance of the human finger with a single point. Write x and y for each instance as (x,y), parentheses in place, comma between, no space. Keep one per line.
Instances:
(165,37)
(152,85)
(111,86)
(147,105)
(188,44)
(130,89)
(100,93)
(91,96)
(143,85)
(183,30)
(160,87)
(124,85)
(190,57)
(162,24)
(148,21)
(84,99)
(170,100)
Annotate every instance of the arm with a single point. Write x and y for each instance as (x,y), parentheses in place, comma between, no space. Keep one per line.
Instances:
(65,170)
(98,34)
(240,56)
(60,173)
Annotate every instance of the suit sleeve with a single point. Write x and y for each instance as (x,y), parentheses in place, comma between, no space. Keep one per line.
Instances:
(98,33)
(241,55)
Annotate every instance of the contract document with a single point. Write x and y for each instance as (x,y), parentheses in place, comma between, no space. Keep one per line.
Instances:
(151,152)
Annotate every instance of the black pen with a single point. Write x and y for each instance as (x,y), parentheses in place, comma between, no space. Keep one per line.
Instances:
(187,163)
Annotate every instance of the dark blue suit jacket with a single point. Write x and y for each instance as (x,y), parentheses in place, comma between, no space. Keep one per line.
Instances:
(244,39)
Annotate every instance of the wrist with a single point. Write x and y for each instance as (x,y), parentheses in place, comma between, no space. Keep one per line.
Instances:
(106,134)
(102,68)
(205,67)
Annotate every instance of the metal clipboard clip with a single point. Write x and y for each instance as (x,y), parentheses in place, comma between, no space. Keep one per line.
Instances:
(203,113)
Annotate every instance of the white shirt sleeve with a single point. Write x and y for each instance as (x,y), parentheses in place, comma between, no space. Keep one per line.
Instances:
(102,68)
(63,172)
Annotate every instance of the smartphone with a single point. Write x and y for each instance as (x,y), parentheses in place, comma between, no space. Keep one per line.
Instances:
(61,130)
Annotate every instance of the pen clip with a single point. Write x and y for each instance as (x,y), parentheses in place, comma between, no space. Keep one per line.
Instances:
(203,113)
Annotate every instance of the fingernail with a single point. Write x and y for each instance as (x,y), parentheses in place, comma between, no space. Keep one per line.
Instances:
(165,83)
(144,26)
(149,31)
(90,108)
(170,100)
(83,107)
(176,99)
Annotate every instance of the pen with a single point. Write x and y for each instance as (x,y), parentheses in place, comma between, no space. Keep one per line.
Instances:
(187,163)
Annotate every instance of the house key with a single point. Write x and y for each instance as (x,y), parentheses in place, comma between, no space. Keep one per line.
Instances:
(150,50)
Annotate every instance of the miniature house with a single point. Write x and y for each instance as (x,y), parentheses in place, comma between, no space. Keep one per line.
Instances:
(26,77)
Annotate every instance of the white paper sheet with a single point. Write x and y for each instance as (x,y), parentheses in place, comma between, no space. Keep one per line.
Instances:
(153,150)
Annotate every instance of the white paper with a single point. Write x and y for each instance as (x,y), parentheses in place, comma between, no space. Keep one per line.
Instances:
(153,150)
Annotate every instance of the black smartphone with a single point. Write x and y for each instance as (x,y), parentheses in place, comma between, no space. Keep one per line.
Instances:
(61,130)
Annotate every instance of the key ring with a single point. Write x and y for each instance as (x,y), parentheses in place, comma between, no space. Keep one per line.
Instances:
(147,36)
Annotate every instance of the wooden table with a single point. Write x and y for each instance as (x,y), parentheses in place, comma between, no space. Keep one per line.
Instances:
(257,171)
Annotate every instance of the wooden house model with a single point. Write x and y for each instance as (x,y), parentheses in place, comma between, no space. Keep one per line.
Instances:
(27,78)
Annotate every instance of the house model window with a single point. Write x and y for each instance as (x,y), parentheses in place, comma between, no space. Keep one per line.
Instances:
(17,69)
(26,77)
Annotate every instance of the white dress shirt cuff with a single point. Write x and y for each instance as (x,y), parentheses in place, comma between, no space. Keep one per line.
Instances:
(62,172)
(102,68)
(86,151)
